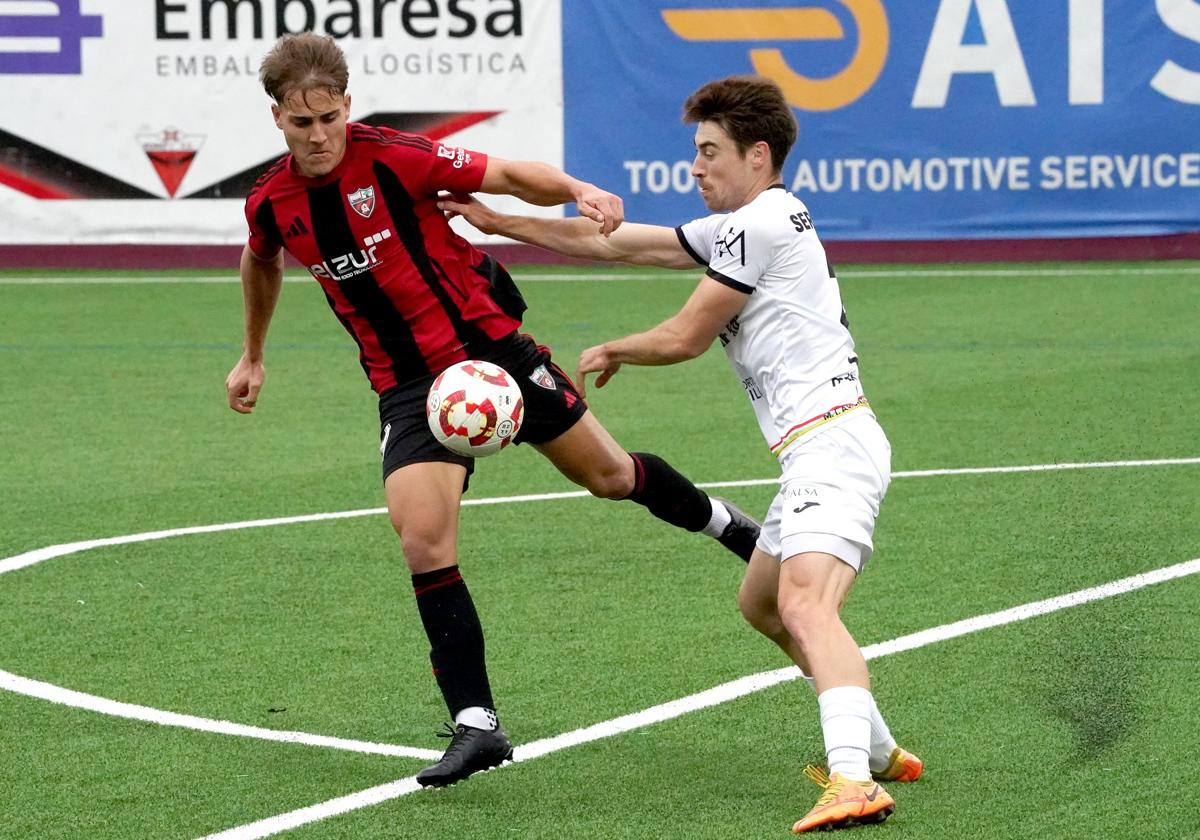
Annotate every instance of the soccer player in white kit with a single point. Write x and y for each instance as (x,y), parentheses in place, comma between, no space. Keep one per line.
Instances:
(771,298)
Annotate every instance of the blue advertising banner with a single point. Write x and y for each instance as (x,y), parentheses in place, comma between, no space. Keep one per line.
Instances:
(945,119)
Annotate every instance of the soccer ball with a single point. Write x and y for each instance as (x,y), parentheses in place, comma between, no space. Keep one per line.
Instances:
(474,408)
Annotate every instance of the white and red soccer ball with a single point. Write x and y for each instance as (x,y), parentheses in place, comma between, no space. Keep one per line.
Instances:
(474,408)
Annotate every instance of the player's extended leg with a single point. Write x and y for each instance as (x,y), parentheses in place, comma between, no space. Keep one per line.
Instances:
(423,502)
(589,456)
(812,587)
(758,602)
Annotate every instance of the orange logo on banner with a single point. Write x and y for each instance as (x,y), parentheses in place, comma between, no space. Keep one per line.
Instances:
(797,24)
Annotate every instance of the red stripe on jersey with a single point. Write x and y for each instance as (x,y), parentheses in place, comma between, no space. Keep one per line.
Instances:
(269,174)
(370,349)
(380,134)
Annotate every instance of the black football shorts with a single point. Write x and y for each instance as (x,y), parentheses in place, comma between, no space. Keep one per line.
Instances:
(552,406)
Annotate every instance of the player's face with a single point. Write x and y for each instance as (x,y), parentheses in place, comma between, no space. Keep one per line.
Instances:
(727,178)
(314,126)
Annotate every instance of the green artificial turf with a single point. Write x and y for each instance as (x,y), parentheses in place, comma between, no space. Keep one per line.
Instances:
(115,423)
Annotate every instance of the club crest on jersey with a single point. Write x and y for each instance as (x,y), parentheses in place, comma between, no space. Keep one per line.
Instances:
(542,378)
(363,201)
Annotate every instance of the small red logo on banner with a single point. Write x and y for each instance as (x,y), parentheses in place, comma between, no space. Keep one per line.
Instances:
(171,153)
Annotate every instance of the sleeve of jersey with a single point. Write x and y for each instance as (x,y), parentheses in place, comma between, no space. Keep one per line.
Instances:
(696,236)
(741,253)
(454,169)
(264,238)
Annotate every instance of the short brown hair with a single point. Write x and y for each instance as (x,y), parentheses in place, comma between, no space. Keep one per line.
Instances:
(749,109)
(304,62)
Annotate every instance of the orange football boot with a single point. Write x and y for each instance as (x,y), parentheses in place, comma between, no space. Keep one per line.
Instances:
(844,803)
(903,766)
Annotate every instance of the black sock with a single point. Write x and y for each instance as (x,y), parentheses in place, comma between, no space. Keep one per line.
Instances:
(455,638)
(667,494)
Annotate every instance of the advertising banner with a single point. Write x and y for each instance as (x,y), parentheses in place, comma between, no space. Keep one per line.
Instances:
(144,121)
(946,119)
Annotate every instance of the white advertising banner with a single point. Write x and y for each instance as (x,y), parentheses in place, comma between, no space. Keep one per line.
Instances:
(143,121)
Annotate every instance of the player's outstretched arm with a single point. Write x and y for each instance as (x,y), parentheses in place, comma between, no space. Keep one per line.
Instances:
(685,335)
(633,243)
(261,282)
(546,186)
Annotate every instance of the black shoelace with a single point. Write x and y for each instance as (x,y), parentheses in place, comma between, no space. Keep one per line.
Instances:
(456,734)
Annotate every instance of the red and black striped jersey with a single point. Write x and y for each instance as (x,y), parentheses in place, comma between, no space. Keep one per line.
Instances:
(415,296)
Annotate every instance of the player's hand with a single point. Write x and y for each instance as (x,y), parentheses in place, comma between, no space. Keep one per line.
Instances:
(602,207)
(477,214)
(595,360)
(243,384)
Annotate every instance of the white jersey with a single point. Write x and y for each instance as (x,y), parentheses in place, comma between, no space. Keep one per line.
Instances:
(790,346)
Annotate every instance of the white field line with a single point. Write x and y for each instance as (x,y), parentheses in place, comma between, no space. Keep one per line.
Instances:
(1065,271)
(141,280)
(68,697)
(1033,468)
(79,700)
(38,555)
(663,274)
(711,697)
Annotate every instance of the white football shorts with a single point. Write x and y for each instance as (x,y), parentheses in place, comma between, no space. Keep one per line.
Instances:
(829,494)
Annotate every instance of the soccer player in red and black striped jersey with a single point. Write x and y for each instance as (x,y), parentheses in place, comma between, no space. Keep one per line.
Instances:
(357,205)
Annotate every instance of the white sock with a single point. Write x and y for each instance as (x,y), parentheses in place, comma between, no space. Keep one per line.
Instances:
(882,742)
(477,717)
(846,724)
(719,519)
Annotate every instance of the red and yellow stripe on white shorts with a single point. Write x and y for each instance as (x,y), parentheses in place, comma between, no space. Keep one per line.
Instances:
(800,429)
